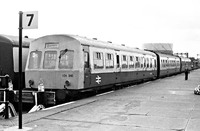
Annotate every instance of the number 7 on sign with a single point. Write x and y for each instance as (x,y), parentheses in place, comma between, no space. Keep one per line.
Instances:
(30,20)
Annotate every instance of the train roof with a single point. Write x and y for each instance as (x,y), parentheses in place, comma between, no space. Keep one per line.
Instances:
(185,58)
(102,44)
(109,45)
(14,40)
(164,55)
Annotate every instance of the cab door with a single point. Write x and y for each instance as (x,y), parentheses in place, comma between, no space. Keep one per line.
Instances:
(87,68)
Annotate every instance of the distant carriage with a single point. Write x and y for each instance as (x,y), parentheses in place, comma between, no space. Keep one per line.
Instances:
(9,48)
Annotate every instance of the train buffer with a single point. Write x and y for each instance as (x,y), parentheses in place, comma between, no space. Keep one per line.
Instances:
(37,98)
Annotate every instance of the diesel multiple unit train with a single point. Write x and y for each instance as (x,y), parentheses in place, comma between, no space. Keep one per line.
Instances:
(69,64)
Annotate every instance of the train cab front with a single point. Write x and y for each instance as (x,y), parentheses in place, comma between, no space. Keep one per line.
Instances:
(54,64)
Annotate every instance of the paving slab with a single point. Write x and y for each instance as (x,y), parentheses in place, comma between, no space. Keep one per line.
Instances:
(167,104)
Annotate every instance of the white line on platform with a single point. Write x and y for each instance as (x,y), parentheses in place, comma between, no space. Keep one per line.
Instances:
(16,128)
(105,93)
(59,105)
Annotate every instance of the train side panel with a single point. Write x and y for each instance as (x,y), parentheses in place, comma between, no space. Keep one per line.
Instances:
(113,67)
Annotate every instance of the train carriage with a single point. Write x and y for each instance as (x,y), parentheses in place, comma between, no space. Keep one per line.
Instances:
(168,65)
(9,47)
(67,63)
(186,63)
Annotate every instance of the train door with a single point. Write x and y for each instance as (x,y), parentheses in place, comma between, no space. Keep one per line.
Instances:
(87,69)
(118,68)
(158,63)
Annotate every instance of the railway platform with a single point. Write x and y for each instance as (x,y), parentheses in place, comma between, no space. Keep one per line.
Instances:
(167,104)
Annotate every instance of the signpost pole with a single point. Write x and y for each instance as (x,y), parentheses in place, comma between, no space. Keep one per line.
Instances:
(20,69)
(27,20)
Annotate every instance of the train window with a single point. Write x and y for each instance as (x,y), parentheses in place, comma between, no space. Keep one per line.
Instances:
(137,64)
(109,60)
(35,59)
(167,63)
(163,63)
(178,63)
(98,60)
(147,62)
(50,60)
(124,57)
(66,59)
(131,62)
(142,61)
(151,63)
(52,45)
(124,61)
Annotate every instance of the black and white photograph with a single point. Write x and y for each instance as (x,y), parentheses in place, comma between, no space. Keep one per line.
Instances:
(100,65)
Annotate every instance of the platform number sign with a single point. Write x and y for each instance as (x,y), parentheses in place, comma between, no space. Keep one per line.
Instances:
(30,20)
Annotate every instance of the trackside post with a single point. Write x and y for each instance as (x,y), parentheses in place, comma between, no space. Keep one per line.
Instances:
(27,20)
(20,70)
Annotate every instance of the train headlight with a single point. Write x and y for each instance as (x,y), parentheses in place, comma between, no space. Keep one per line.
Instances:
(10,85)
(41,86)
(67,84)
(31,83)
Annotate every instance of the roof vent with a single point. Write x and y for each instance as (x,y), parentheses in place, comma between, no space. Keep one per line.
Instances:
(122,44)
(94,38)
(109,41)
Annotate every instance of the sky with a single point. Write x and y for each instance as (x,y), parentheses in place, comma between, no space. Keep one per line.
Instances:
(129,22)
